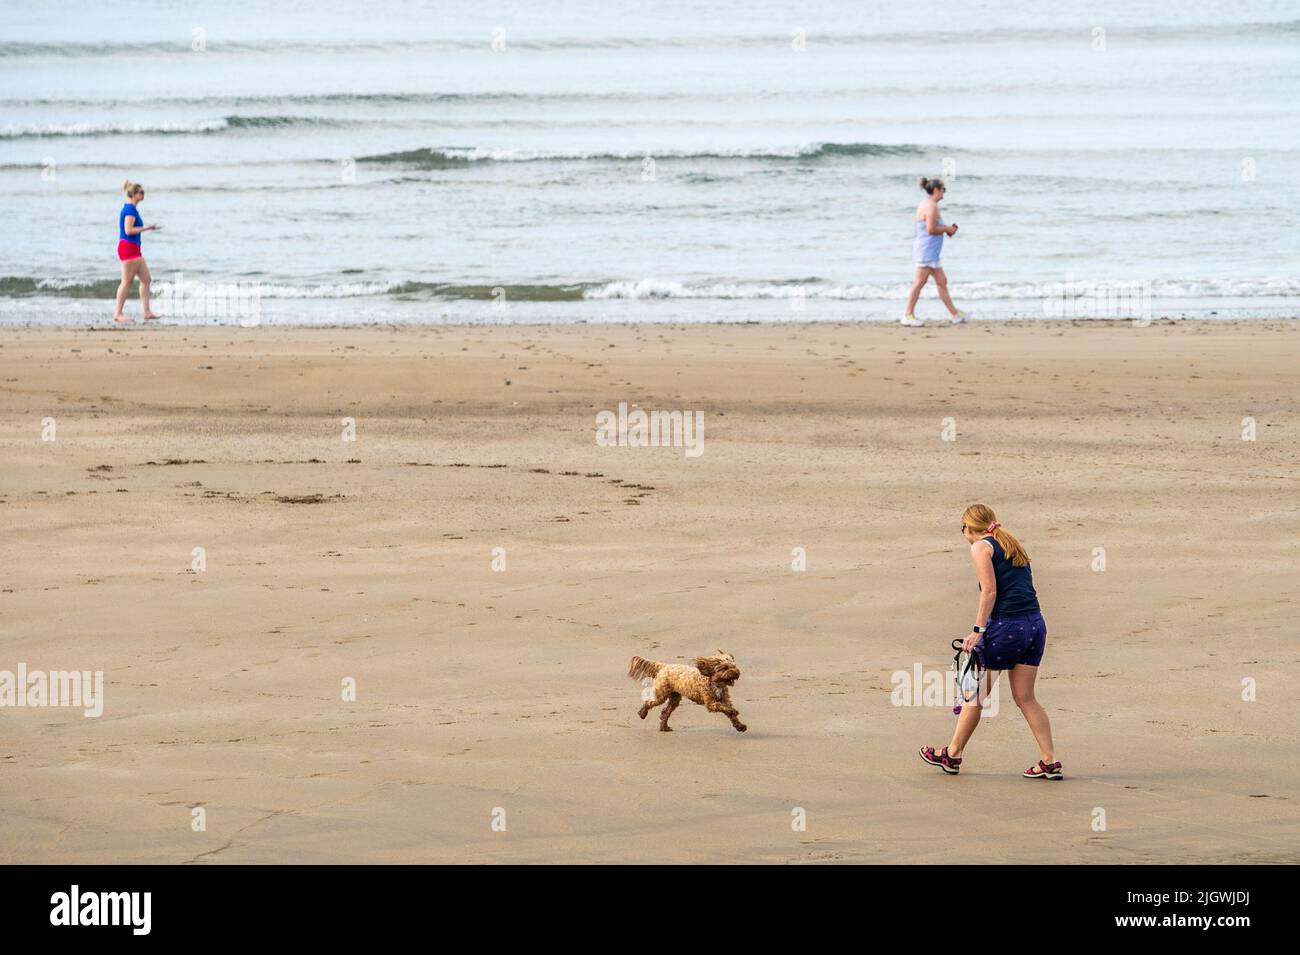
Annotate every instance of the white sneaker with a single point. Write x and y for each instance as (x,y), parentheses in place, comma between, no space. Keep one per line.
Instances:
(960,318)
(911,321)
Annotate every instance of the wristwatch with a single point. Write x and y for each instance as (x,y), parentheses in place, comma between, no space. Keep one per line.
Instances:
(978,629)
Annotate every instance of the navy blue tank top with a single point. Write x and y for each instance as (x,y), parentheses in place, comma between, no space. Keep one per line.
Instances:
(1016,596)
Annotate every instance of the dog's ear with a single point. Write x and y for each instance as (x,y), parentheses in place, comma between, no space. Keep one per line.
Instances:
(706,665)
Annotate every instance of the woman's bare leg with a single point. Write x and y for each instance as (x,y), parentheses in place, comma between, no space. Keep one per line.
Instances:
(922,274)
(146,279)
(124,289)
(941,280)
(1022,680)
(970,714)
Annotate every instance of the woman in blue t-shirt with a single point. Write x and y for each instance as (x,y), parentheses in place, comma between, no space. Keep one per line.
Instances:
(1009,634)
(130,252)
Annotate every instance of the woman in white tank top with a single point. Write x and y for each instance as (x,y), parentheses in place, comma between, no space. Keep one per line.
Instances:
(927,244)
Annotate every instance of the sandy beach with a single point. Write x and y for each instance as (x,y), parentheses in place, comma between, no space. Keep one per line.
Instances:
(489,694)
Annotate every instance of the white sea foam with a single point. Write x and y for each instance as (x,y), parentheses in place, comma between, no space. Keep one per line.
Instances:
(650,290)
(977,291)
(42,130)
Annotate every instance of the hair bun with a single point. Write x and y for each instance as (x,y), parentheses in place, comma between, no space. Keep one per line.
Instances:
(128,187)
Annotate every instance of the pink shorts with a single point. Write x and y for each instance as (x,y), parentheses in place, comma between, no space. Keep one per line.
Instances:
(126,251)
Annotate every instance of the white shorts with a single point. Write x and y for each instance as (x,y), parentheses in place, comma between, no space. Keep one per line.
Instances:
(929,265)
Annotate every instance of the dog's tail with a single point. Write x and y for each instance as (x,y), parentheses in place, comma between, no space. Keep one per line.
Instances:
(640,669)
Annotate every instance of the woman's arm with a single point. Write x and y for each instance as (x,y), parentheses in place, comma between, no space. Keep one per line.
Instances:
(981,555)
(133,229)
(932,222)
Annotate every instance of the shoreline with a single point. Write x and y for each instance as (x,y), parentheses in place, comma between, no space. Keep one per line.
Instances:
(236,306)
(136,323)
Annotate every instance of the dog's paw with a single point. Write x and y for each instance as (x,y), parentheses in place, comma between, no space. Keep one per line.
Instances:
(665,728)
(741,727)
(642,712)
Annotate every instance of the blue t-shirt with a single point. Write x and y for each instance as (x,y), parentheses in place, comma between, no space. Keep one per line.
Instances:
(128,210)
(1016,596)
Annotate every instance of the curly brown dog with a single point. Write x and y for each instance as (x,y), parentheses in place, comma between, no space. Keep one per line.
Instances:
(708,683)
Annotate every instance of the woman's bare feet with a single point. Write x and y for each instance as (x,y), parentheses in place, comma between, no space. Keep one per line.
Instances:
(121,320)
(151,317)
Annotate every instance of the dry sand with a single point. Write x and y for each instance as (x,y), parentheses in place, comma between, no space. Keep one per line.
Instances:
(480,689)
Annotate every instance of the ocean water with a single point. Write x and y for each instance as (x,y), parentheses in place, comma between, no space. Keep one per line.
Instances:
(675,161)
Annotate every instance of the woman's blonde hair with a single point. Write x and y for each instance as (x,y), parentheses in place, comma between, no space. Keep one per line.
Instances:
(131,188)
(981,519)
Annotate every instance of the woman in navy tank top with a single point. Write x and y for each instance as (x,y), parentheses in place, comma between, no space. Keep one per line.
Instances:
(1009,634)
